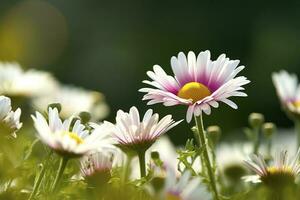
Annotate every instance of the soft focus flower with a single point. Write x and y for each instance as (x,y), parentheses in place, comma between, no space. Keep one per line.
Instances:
(198,83)
(288,91)
(135,134)
(184,188)
(96,167)
(14,81)
(230,159)
(70,141)
(75,100)
(10,120)
(282,172)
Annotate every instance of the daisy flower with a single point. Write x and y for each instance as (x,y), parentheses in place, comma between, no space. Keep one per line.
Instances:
(96,167)
(182,188)
(67,140)
(74,100)
(288,91)
(138,135)
(10,120)
(14,81)
(198,83)
(281,173)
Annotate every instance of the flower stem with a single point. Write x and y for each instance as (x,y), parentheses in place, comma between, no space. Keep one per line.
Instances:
(202,141)
(256,142)
(40,177)
(62,166)
(297,127)
(141,155)
(37,183)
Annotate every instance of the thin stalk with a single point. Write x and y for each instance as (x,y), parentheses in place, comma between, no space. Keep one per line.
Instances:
(256,142)
(61,169)
(297,127)
(141,156)
(40,177)
(202,140)
(37,183)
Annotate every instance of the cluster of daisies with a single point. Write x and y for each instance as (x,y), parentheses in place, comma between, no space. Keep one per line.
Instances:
(67,123)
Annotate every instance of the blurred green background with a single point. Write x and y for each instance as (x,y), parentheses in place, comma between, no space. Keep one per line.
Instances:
(109,45)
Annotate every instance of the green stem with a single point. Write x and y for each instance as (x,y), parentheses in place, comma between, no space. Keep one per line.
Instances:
(297,127)
(202,141)
(40,178)
(37,183)
(256,142)
(62,166)
(141,155)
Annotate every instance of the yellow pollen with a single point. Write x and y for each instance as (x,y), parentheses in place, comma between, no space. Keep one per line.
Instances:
(194,90)
(281,170)
(73,136)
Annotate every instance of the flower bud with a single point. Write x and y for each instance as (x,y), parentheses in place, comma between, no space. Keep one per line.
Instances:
(85,117)
(155,155)
(256,120)
(269,129)
(214,133)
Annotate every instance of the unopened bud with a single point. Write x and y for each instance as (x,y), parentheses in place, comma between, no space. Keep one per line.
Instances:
(269,129)
(194,129)
(85,117)
(55,105)
(256,120)
(214,133)
(155,155)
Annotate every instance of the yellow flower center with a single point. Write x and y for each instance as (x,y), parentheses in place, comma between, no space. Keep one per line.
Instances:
(73,136)
(194,90)
(282,170)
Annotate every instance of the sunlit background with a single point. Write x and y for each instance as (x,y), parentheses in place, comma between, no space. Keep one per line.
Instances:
(109,45)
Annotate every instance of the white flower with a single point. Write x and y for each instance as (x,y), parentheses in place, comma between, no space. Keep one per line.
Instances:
(97,162)
(135,134)
(75,100)
(70,141)
(280,173)
(288,90)
(184,188)
(10,120)
(199,83)
(14,81)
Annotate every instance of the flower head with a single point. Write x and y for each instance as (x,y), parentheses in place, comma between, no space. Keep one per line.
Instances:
(75,100)
(280,174)
(14,81)
(68,140)
(288,91)
(96,167)
(198,83)
(135,134)
(10,120)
